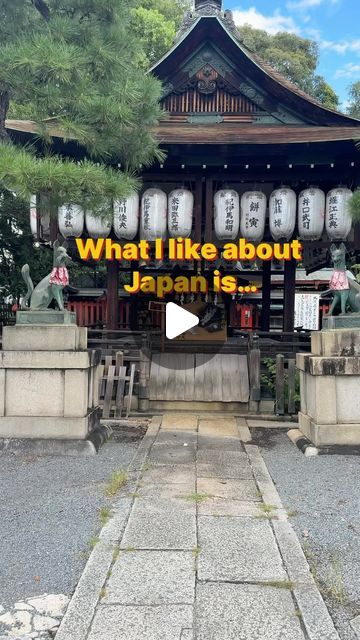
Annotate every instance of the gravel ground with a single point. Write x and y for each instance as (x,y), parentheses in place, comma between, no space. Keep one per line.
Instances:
(323,494)
(49,510)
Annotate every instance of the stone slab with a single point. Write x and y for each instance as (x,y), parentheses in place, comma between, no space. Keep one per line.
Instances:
(223,464)
(348,321)
(177,437)
(164,454)
(240,549)
(245,612)
(270,424)
(161,524)
(336,342)
(226,443)
(328,365)
(152,578)
(49,359)
(44,338)
(45,316)
(223,457)
(165,622)
(229,489)
(170,474)
(48,447)
(323,435)
(179,421)
(48,427)
(226,507)
(218,427)
(173,492)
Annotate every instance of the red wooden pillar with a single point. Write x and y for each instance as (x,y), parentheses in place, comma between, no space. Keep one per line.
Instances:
(289,294)
(112,303)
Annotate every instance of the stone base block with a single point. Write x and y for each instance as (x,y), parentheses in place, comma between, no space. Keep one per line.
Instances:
(347,321)
(57,427)
(45,317)
(336,342)
(44,338)
(323,435)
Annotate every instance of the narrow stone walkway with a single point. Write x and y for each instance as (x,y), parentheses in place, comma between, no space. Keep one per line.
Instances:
(200,548)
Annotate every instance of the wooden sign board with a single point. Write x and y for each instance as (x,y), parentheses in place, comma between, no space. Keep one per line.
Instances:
(202,334)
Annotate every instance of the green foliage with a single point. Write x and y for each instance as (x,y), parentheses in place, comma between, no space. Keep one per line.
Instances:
(63,180)
(268,380)
(294,57)
(354,103)
(354,206)
(77,63)
(155,32)
(155,23)
(16,247)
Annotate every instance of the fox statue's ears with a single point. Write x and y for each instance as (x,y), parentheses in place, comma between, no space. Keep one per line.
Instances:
(342,248)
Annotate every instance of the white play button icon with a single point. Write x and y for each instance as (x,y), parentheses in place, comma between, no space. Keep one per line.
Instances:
(178,320)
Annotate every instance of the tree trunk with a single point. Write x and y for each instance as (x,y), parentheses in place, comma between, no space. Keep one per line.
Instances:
(4,106)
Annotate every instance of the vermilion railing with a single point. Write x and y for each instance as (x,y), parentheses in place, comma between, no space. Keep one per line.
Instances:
(93,313)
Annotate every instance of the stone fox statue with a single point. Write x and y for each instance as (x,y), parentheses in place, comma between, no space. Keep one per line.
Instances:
(345,290)
(51,287)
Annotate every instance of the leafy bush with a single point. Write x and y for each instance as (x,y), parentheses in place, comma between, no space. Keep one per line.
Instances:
(268,381)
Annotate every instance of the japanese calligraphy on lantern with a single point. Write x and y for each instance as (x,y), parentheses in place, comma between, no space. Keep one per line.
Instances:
(307,310)
(153,222)
(98,226)
(226,214)
(253,215)
(71,220)
(126,217)
(311,213)
(337,219)
(180,213)
(282,213)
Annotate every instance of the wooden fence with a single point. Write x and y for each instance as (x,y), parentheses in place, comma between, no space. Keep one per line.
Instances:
(114,384)
(281,377)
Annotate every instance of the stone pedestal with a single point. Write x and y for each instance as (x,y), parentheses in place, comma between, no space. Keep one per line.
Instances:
(330,388)
(48,379)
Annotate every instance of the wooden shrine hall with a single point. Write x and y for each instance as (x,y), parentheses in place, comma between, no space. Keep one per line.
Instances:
(234,126)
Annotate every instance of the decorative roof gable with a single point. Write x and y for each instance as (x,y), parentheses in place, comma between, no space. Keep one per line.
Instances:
(208,58)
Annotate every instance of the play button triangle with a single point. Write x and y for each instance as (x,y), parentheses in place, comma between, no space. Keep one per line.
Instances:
(178,320)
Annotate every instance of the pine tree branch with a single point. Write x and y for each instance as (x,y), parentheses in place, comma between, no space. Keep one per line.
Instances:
(42,8)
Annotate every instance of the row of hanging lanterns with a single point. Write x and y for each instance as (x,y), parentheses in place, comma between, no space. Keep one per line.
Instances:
(246,216)
(162,215)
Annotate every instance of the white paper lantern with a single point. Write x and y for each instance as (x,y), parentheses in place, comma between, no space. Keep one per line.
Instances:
(180,213)
(311,213)
(153,220)
(97,226)
(226,214)
(71,220)
(282,213)
(338,219)
(126,217)
(253,216)
(33,215)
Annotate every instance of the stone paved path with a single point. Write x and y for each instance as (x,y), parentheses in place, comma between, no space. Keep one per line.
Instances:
(199,548)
